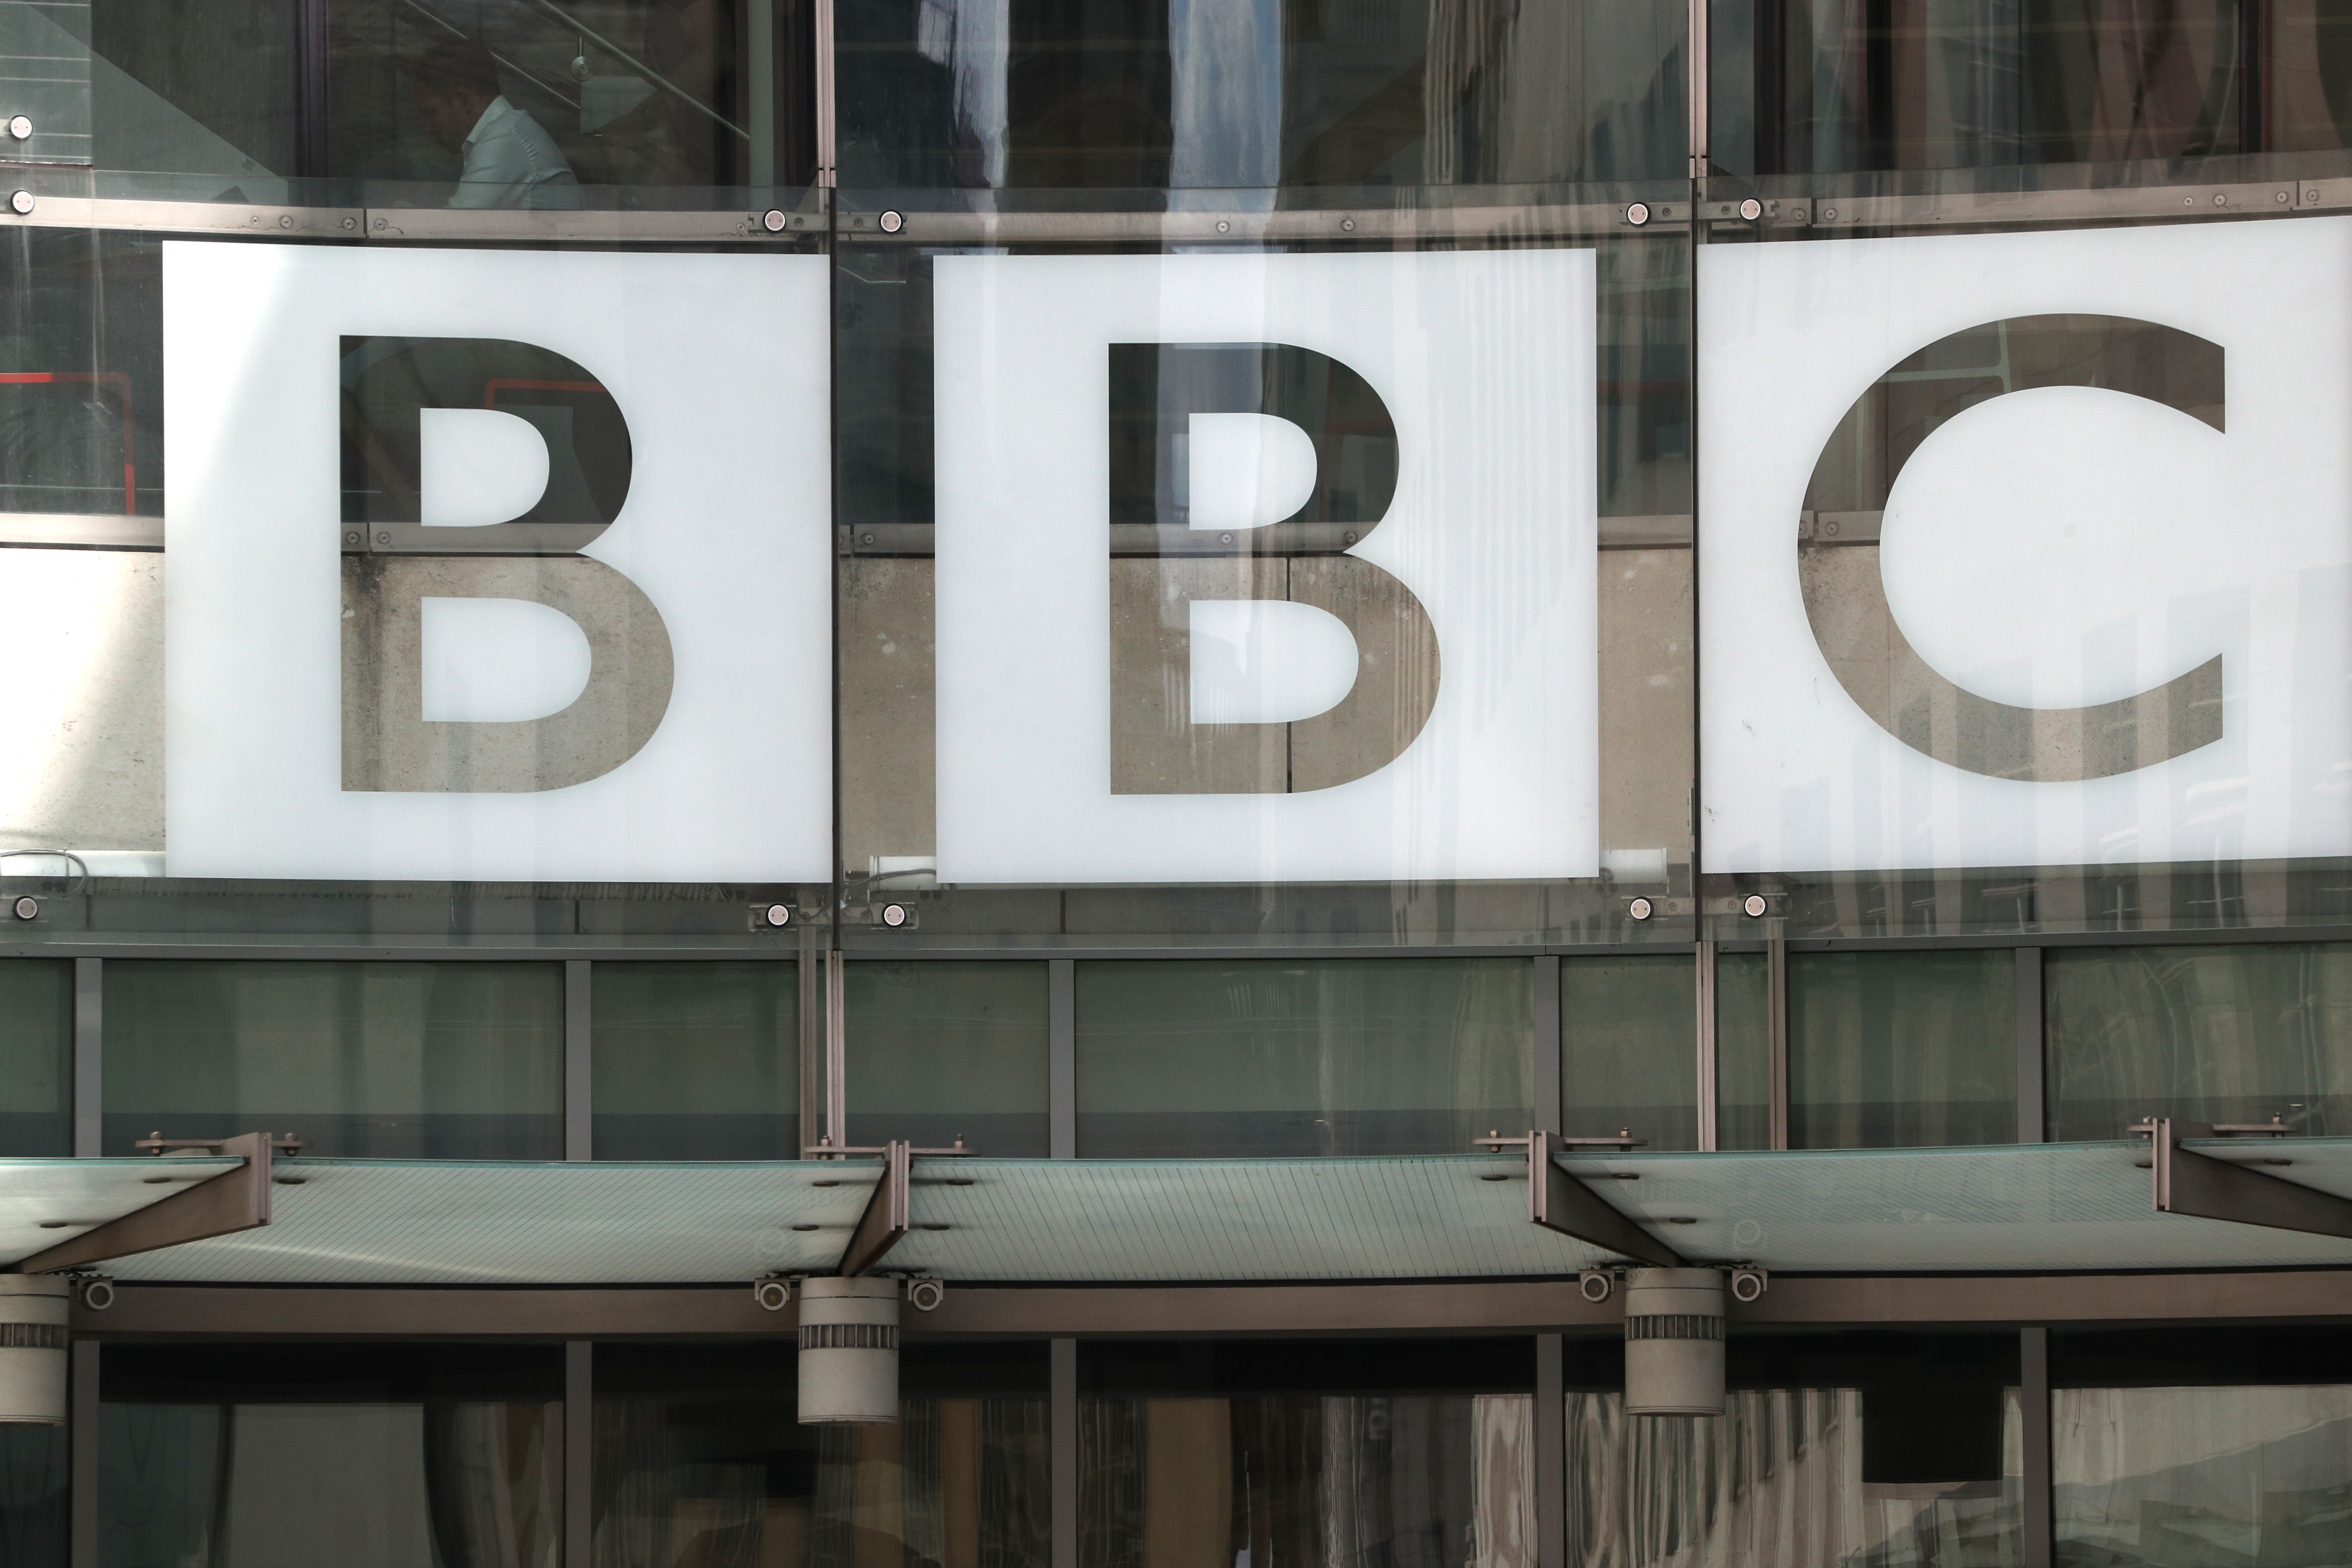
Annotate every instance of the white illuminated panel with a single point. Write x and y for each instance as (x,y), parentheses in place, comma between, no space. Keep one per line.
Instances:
(1485,361)
(719,365)
(2052,548)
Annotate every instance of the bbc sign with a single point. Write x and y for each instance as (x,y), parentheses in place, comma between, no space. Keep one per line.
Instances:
(2023,549)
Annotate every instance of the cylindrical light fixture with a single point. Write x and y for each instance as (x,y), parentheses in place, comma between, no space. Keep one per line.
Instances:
(849,1351)
(33,1348)
(1673,1341)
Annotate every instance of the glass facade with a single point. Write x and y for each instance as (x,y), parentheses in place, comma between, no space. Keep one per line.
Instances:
(1223,603)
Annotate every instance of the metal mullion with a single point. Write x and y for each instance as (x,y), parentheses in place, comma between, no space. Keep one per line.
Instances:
(579,1452)
(810,1038)
(1549,1045)
(836,1052)
(1708,1133)
(89,1060)
(1776,986)
(1062,1415)
(1062,1052)
(2034,1401)
(82,1514)
(1551,1455)
(2032,1109)
(578,1062)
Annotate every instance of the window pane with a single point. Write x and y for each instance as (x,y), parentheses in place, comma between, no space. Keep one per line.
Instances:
(699,1459)
(942,1050)
(33,1496)
(696,1061)
(444,1060)
(1629,1055)
(1398,1056)
(1902,1050)
(2208,1034)
(1203,1455)
(1743,1051)
(382,1457)
(35,1056)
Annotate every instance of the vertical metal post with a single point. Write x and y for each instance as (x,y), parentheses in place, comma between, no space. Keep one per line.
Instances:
(310,89)
(2032,1066)
(2033,1399)
(82,1515)
(1776,991)
(760,48)
(1708,1135)
(1698,96)
(577,1060)
(812,1039)
(1551,1456)
(836,1052)
(1549,1045)
(579,1452)
(1064,1416)
(826,139)
(88,1063)
(1062,1048)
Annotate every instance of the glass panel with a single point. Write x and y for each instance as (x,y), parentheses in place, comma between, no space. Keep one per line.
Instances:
(1902,1050)
(696,1061)
(452,1059)
(1629,1056)
(1294,93)
(33,1518)
(385,1457)
(2205,1034)
(699,1459)
(35,1056)
(1798,1471)
(1339,1056)
(1209,1455)
(938,1050)
(1743,1051)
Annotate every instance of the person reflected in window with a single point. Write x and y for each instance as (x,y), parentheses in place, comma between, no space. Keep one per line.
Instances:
(511,160)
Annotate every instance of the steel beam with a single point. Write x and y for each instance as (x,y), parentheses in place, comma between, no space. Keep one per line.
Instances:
(2190,1183)
(1558,1201)
(234,1200)
(885,1223)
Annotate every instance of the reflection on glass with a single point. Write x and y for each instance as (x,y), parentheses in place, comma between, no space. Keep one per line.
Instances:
(35,1056)
(700,1460)
(1266,1057)
(33,1520)
(695,1061)
(2185,1477)
(1629,1056)
(382,1457)
(2208,1034)
(1743,1051)
(1209,1457)
(448,1061)
(1261,93)
(942,1050)
(1781,1480)
(1847,86)
(1902,1050)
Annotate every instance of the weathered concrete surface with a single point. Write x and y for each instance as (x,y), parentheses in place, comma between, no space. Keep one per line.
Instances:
(81,701)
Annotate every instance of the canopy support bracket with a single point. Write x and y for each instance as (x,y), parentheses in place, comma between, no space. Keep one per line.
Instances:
(2190,1182)
(885,1221)
(1558,1202)
(234,1200)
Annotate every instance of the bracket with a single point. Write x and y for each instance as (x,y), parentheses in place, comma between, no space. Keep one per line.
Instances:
(221,1205)
(886,1221)
(2190,1182)
(1558,1202)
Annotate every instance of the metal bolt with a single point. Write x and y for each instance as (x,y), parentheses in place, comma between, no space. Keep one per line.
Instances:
(1639,909)
(1224,539)
(772,220)
(864,539)
(1751,209)
(2189,201)
(20,201)
(1829,527)
(286,220)
(350,223)
(1223,226)
(1755,906)
(384,538)
(1828,215)
(26,908)
(2278,195)
(892,222)
(1638,213)
(893,915)
(1349,537)
(352,538)
(2220,200)
(20,126)
(779,914)
(1347,226)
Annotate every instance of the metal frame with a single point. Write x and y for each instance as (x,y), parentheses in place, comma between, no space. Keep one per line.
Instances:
(579,1453)
(579,1060)
(2190,1182)
(220,1204)
(887,1219)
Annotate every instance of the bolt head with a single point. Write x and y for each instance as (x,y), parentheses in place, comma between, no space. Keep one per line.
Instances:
(773,221)
(1755,906)
(20,201)
(893,915)
(1223,226)
(1638,213)
(1751,209)
(20,126)
(778,915)
(1641,909)
(892,222)
(1347,226)
(25,908)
